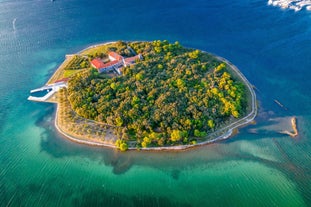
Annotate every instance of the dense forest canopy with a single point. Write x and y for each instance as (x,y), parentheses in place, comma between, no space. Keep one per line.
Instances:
(173,96)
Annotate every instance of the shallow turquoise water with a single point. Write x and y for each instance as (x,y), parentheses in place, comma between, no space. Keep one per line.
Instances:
(258,167)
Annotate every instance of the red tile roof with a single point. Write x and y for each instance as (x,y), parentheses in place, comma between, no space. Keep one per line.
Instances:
(115,55)
(98,63)
(110,63)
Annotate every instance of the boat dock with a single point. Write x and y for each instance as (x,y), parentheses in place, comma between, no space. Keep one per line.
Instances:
(51,89)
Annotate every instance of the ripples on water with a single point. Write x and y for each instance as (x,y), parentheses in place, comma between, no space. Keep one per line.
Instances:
(258,166)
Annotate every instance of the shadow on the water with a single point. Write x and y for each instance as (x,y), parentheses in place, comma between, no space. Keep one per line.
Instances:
(292,164)
(103,197)
(59,147)
(176,174)
(4,110)
(298,174)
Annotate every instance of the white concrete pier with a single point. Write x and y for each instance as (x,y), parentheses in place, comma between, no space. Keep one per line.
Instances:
(52,89)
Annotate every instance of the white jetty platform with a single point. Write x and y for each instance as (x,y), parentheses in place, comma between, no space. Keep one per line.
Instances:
(52,88)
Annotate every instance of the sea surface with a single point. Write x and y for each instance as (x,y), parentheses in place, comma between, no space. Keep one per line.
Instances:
(257,167)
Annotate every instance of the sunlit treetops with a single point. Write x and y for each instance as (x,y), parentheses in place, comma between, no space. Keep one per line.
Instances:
(173,96)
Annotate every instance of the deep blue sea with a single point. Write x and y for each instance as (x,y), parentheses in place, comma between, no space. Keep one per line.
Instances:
(257,167)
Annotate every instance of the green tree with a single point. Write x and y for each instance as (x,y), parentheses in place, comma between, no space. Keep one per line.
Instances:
(180,83)
(198,133)
(139,76)
(113,86)
(235,114)
(121,145)
(176,135)
(195,54)
(83,64)
(146,141)
(211,124)
(119,121)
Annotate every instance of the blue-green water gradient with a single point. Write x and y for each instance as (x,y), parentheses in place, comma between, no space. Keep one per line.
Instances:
(257,167)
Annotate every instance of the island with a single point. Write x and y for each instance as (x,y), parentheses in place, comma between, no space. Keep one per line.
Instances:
(148,96)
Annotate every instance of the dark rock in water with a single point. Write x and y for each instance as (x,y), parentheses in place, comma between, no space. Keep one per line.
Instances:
(175,174)
(120,165)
